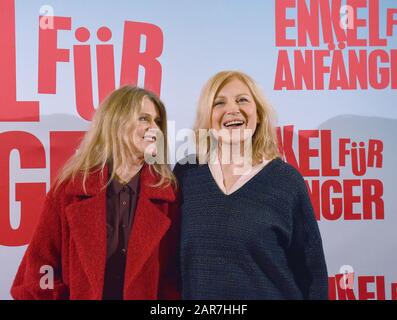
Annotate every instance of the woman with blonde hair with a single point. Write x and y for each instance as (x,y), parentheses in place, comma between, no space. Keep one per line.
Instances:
(109,226)
(248,227)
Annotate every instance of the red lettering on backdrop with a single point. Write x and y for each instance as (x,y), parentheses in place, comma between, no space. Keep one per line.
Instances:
(320,23)
(83,75)
(286,138)
(284,23)
(390,21)
(105,63)
(367,287)
(10,108)
(344,286)
(331,288)
(332,208)
(334,199)
(305,152)
(30,195)
(62,144)
(132,56)
(83,70)
(394,291)
(352,33)
(365,293)
(308,23)
(374,39)
(50,54)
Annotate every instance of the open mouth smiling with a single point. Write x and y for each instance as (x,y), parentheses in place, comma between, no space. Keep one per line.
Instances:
(234,123)
(150,137)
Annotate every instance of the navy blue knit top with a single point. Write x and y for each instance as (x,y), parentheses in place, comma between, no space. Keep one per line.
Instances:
(260,242)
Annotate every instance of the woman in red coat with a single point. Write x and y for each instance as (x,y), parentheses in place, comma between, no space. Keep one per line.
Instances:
(109,227)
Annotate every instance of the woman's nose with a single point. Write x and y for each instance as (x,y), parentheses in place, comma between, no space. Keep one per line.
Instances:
(154,126)
(233,107)
(233,111)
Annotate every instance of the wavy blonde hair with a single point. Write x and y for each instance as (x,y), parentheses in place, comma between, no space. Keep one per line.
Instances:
(264,140)
(106,142)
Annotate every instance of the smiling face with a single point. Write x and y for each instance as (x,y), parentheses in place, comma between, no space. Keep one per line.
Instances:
(234,109)
(147,127)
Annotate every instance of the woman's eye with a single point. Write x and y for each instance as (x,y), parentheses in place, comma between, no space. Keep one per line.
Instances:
(143,118)
(217,103)
(242,100)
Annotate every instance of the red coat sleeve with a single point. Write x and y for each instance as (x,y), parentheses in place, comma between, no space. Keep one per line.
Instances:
(170,283)
(44,251)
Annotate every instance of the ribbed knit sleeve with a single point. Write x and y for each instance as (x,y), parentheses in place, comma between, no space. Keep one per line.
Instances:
(307,256)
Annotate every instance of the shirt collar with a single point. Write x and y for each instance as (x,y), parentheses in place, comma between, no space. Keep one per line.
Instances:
(133,184)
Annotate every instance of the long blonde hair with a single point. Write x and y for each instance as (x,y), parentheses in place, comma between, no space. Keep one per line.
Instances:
(264,141)
(106,143)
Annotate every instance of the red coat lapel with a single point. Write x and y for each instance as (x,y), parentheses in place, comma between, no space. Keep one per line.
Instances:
(150,225)
(86,216)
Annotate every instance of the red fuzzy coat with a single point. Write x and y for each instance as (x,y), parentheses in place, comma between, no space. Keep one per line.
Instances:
(71,238)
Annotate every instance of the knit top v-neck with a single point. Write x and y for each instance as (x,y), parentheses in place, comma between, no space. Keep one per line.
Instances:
(260,242)
(216,172)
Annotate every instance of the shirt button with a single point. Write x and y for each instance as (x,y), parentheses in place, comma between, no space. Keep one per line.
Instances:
(123,251)
(124,203)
